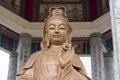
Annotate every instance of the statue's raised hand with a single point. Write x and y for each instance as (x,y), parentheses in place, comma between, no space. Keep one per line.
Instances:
(65,55)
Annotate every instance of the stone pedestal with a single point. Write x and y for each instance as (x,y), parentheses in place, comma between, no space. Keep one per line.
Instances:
(96,51)
(12,66)
(24,49)
(109,68)
(115,19)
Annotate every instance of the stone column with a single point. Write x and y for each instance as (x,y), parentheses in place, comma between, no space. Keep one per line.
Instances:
(12,66)
(115,19)
(109,68)
(97,57)
(12,63)
(24,49)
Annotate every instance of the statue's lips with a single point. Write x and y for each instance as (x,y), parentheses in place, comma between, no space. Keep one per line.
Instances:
(56,36)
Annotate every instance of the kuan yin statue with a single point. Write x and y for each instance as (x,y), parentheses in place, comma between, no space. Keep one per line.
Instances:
(56,60)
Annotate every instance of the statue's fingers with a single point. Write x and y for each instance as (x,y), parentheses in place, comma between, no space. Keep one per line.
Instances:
(60,52)
(70,49)
(70,45)
(63,47)
(67,52)
(73,50)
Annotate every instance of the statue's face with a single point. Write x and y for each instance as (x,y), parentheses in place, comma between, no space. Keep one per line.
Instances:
(57,31)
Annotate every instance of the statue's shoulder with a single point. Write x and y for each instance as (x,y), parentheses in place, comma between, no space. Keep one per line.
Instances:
(31,61)
(36,54)
(32,58)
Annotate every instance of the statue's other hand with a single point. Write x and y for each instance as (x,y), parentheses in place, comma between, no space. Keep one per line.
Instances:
(65,55)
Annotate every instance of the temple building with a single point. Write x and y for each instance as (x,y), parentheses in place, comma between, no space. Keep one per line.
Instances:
(96,32)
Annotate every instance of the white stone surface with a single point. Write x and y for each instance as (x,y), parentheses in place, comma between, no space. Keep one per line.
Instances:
(115,19)
(97,60)
(12,66)
(109,68)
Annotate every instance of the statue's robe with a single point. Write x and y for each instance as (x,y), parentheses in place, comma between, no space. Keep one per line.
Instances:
(73,71)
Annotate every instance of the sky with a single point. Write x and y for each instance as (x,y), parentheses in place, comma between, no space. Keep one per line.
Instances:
(87,64)
(4,64)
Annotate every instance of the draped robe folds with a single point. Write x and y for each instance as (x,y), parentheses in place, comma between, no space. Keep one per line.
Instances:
(33,69)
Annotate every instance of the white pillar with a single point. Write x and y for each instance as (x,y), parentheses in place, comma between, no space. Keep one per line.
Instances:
(97,61)
(12,66)
(109,68)
(12,63)
(115,19)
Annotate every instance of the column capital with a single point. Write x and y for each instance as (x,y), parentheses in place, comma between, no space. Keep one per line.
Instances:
(24,35)
(96,34)
(108,54)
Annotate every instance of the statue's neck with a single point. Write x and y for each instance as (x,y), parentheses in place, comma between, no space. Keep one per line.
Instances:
(56,47)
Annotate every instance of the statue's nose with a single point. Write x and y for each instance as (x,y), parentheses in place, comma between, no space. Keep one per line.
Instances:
(56,30)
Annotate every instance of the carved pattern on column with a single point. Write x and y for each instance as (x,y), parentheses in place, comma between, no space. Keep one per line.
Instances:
(24,49)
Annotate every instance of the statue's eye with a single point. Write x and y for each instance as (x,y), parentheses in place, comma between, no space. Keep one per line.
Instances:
(62,26)
(51,27)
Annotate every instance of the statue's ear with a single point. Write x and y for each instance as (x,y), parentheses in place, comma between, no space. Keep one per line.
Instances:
(69,36)
(45,41)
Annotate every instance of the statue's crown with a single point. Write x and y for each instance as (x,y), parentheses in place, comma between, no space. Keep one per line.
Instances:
(57,11)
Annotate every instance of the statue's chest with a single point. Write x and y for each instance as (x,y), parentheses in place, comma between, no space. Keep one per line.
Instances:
(49,66)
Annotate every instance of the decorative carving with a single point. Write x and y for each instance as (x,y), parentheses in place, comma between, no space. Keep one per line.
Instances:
(76,9)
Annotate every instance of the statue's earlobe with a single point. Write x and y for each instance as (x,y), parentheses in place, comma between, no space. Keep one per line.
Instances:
(68,38)
(45,42)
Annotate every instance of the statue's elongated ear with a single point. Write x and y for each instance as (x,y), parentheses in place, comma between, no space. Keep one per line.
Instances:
(69,35)
(45,41)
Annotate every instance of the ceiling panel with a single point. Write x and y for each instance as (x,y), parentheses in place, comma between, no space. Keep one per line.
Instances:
(60,0)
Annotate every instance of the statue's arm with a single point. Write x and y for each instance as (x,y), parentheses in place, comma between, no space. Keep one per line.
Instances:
(75,70)
(27,71)
(71,72)
(78,67)
(26,75)
(77,75)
